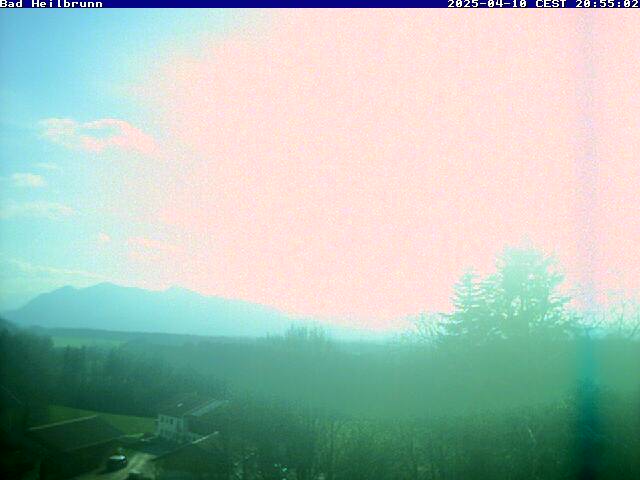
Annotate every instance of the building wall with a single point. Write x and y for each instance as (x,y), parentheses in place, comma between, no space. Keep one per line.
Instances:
(176,429)
(169,427)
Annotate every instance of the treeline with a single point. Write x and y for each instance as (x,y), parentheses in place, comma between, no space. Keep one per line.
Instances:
(283,440)
(115,380)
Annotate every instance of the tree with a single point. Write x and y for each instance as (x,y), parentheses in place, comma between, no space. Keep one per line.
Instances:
(522,296)
(469,317)
(624,317)
(519,300)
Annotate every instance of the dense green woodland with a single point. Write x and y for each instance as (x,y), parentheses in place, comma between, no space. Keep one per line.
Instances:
(512,384)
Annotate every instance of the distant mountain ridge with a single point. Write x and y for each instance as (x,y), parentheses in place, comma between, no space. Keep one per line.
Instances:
(107,306)
(176,310)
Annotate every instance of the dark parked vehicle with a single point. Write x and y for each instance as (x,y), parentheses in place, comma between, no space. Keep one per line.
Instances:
(116,462)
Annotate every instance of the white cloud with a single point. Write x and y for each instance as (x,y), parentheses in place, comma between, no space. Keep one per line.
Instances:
(29,180)
(50,210)
(97,136)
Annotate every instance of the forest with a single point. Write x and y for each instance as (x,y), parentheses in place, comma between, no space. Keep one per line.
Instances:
(515,382)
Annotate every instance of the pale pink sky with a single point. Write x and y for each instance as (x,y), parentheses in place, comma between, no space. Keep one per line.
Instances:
(353,163)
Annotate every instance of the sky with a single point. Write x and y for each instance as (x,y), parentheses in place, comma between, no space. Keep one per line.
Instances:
(346,165)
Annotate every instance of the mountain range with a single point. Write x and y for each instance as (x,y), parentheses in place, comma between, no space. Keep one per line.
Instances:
(107,306)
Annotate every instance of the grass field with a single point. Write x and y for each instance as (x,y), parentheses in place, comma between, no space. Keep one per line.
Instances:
(128,424)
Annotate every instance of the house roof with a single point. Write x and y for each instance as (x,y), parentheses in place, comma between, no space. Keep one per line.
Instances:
(209,421)
(201,425)
(75,434)
(186,405)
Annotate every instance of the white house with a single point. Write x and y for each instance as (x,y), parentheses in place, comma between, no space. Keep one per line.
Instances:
(177,420)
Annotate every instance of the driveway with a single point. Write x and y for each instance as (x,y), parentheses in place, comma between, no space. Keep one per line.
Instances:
(136,461)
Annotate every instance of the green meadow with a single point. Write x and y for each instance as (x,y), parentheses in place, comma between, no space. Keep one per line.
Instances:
(129,424)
